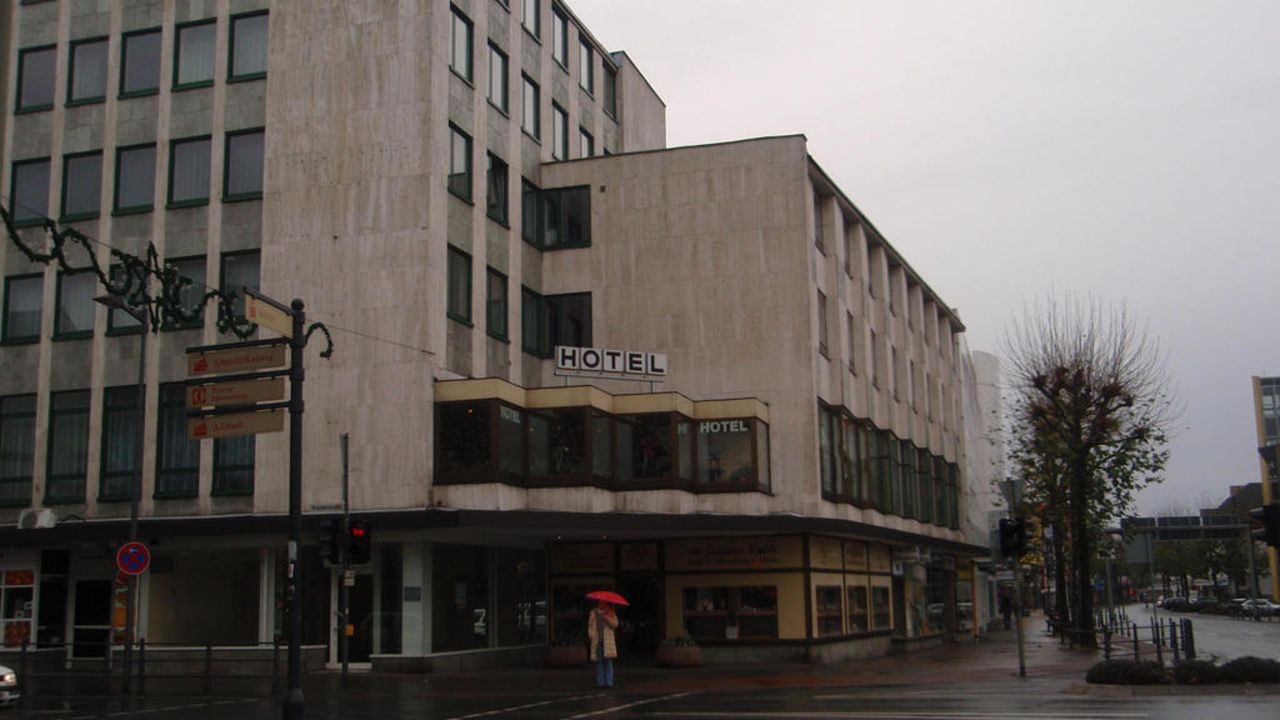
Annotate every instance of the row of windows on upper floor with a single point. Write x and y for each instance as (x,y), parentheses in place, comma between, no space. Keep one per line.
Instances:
(74,299)
(190,178)
(177,458)
(193,62)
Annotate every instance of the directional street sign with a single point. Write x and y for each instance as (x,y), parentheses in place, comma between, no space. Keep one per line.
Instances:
(236,359)
(268,314)
(244,392)
(133,558)
(209,427)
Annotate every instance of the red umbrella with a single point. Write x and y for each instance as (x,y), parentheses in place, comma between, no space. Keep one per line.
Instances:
(608,596)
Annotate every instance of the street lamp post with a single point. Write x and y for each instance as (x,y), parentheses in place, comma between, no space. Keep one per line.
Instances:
(116,302)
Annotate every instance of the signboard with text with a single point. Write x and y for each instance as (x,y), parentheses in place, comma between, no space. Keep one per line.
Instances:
(242,392)
(209,427)
(610,364)
(237,359)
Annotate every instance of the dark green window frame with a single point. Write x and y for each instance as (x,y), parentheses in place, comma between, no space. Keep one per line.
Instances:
(532,323)
(544,321)
(531,18)
(177,54)
(174,477)
(496,184)
(71,71)
(38,215)
(586,65)
(120,322)
(67,160)
(67,417)
(17,418)
(459,298)
(232,75)
(560,37)
(6,336)
(459,177)
(117,209)
(23,54)
(171,203)
(458,21)
(238,289)
(125,39)
(498,90)
(197,288)
(227,195)
(118,404)
(234,461)
(496,303)
(610,101)
(556,218)
(59,333)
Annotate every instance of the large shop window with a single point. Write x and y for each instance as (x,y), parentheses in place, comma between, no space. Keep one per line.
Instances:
(51,617)
(68,446)
(121,425)
(645,447)
(880,601)
(17,601)
(557,443)
(856,602)
(521,606)
(17,449)
(829,610)
(731,613)
(460,618)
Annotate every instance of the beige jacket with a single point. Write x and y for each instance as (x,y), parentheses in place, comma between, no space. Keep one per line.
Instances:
(602,629)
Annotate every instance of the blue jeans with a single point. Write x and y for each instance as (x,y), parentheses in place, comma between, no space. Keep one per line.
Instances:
(604,667)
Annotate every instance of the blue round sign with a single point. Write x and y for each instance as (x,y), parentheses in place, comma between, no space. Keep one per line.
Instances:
(133,558)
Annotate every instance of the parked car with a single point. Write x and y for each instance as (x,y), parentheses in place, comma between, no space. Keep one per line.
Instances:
(1175,604)
(1207,606)
(1261,607)
(9,693)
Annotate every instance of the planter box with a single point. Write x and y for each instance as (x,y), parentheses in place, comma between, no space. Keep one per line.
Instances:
(566,655)
(679,655)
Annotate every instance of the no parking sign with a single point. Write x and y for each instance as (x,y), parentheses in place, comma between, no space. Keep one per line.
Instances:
(133,558)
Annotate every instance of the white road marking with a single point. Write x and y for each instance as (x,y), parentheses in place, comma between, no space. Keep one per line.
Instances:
(616,708)
(502,711)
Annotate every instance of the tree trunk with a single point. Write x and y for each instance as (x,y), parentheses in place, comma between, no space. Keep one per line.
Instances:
(1081,552)
(1060,597)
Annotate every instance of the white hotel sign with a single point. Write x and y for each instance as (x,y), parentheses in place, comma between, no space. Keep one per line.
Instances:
(612,364)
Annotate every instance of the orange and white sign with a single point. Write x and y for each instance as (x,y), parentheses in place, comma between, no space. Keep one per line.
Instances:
(246,359)
(244,392)
(269,316)
(234,424)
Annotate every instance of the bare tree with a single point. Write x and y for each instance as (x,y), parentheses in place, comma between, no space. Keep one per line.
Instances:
(1091,410)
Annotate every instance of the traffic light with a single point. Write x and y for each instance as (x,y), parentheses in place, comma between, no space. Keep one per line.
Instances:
(359,544)
(1269,517)
(330,540)
(1013,537)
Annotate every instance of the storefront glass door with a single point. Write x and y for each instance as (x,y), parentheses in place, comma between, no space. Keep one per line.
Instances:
(92,630)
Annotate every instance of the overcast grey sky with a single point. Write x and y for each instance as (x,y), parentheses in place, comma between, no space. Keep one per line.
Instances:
(1008,149)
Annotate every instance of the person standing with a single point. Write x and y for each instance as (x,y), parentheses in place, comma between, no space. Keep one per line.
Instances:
(604,647)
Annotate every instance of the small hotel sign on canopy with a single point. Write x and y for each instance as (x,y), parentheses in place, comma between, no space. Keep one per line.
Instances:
(601,362)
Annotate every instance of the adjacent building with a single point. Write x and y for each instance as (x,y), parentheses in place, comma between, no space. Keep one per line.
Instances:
(1266,414)
(568,357)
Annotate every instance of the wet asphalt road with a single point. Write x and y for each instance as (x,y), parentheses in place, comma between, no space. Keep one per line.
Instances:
(1223,637)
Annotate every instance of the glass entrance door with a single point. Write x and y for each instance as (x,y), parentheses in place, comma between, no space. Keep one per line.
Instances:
(91,633)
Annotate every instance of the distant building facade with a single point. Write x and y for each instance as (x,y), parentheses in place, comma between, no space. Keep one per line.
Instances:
(1266,411)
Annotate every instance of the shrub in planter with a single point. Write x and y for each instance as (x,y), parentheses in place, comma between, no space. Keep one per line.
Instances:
(1251,669)
(679,652)
(1197,672)
(1128,672)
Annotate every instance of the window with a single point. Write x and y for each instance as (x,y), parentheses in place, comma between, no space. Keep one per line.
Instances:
(822,323)
(553,320)
(248,56)
(817,223)
(725,451)
(140,63)
(851,461)
(850,243)
(22,298)
(924,485)
(559,133)
(29,193)
(17,449)
(121,423)
(556,218)
(557,442)
(880,612)
(532,328)
(233,461)
(586,66)
(827,425)
(459,286)
(243,174)
(530,122)
(459,163)
(74,315)
(177,457)
(496,182)
(875,361)
(193,55)
(856,602)
(240,272)
(530,213)
(465,449)
(190,294)
(532,17)
(68,446)
(460,45)
(610,91)
(496,305)
(81,185)
(35,78)
(135,178)
(497,78)
(829,610)
(189,171)
(88,74)
(560,37)
(736,613)
(851,334)
(586,144)
(119,321)
(897,373)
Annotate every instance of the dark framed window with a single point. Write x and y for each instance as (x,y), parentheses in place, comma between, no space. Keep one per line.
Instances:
(559,133)
(464,437)
(531,17)
(459,286)
(568,320)
(531,118)
(36,78)
(532,323)
(29,191)
(189,170)
(68,460)
(22,300)
(121,423)
(557,445)
(460,44)
(818,240)
(190,294)
(939,490)
(822,324)
(560,37)
(459,163)
(135,179)
(850,246)
(530,213)
(17,449)
(586,143)
(496,185)
(610,102)
(907,476)
(496,304)
(498,78)
(82,185)
(177,457)
(247,59)
(566,218)
(73,314)
(242,177)
(193,54)
(87,79)
(827,426)
(852,478)
(240,271)
(851,335)
(727,452)
(120,322)
(710,611)
(924,486)
(140,63)
(233,464)
(586,66)
(895,475)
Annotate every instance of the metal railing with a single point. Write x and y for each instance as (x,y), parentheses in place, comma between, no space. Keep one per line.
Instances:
(1118,637)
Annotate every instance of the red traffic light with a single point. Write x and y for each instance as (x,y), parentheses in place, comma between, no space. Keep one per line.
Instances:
(357,531)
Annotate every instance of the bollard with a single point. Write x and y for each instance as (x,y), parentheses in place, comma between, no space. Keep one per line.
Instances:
(208,669)
(1137,650)
(1106,643)
(1188,639)
(142,666)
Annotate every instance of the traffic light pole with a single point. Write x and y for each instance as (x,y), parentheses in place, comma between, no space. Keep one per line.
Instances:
(1017,615)
(344,556)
